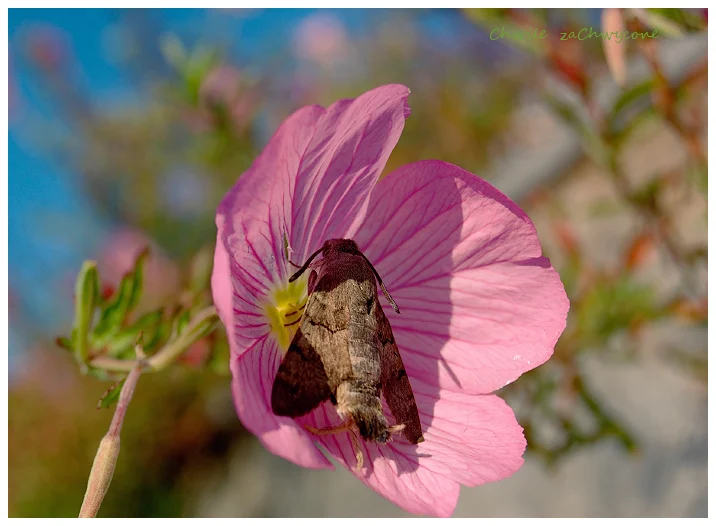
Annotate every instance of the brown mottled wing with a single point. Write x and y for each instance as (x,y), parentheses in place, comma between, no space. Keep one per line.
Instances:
(394,380)
(301,382)
(317,361)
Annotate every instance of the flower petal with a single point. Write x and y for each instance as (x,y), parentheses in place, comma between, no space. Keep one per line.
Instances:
(310,183)
(342,164)
(253,375)
(479,303)
(394,476)
(251,222)
(469,439)
(472,439)
(222,288)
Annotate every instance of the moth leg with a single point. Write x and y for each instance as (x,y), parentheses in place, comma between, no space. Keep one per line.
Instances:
(341,428)
(292,323)
(396,429)
(359,451)
(292,263)
(348,426)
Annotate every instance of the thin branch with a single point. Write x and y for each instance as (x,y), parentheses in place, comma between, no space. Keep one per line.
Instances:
(108,451)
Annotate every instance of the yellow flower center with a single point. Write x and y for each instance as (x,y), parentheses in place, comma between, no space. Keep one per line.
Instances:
(284,309)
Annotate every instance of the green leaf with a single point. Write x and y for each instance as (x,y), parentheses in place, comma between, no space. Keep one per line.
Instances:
(622,132)
(86,298)
(496,19)
(111,395)
(64,343)
(181,322)
(630,95)
(647,195)
(611,306)
(662,24)
(137,280)
(204,328)
(173,51)
(591,141)
(149,326)
(113,314)
(184,337)
(118,307)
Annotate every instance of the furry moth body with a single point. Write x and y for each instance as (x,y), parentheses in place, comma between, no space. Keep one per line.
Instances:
(344,350)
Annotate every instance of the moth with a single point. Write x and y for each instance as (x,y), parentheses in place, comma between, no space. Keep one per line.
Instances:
(344,351)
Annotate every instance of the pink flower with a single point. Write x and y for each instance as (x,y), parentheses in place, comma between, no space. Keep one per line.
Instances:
(321,38)
(48,46)
(479,303)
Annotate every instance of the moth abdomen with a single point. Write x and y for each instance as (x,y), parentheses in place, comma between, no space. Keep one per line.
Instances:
(371,424)
(360,401)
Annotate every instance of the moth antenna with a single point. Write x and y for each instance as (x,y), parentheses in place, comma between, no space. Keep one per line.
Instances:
(390,298)
(382,285)
(305,266)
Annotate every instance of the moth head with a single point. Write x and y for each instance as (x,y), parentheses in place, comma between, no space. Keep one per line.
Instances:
(340,245)
(329,247)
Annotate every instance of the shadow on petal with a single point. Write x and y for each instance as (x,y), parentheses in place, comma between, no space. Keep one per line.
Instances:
(479,303)
(413,224)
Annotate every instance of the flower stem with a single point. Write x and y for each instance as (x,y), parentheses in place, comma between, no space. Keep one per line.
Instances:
(106,458)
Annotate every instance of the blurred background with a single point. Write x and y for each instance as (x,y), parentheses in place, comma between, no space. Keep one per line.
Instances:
(126,128)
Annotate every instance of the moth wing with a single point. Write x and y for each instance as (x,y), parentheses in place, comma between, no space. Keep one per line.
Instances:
(325,323)
(394,380)
(301,383)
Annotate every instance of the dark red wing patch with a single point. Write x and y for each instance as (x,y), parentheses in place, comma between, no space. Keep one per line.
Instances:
(301,383)
(394,380)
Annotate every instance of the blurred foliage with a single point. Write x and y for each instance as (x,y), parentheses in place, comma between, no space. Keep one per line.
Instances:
(158,164)
(555,404)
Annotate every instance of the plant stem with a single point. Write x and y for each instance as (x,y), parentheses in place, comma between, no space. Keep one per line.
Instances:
(106,458)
